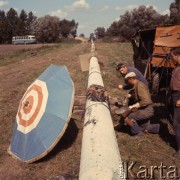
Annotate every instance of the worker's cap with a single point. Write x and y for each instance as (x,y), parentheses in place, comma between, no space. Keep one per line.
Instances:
(130,75)
(119,66)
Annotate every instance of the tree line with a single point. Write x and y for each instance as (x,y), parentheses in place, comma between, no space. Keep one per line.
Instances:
(52,29)
(139,19)
(46,29)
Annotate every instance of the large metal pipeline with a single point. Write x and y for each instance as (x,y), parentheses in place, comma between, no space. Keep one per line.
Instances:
(100,157)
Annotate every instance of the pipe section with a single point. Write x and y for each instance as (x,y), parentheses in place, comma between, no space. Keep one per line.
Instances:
(100,157)
(93,48)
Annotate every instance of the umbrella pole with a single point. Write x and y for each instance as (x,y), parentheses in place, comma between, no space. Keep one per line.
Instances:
(100,157)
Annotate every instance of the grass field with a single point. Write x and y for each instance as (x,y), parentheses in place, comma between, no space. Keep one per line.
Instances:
(19,69)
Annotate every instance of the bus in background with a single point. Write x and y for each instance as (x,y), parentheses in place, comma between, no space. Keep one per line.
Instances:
(28,39)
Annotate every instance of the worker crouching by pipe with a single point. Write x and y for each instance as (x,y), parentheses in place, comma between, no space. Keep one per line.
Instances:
(138,115)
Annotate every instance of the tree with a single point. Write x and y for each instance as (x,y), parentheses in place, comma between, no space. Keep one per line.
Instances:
(175,12)
(46,29)
(113,30)
(100,32)
(138,19)
(74,27)
(30,19)
(81,35)
(21,24)
(92,36)
(68,27)
(3,30)
(12,20)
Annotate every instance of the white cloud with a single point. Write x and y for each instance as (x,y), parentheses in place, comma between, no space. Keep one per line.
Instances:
(154,7)
(131,7)
(81,26)
(104,8)
(4,3)
(78,5)
(127,8)
(59,13)
(163,13)
(117,19)
(118,8)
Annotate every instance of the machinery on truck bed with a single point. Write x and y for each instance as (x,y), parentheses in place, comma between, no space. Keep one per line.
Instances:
(151,54)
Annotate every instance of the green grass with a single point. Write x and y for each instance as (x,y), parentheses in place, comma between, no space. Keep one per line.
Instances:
(150,150)
(19,55)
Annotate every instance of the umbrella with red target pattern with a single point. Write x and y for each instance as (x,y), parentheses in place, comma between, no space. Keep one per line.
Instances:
(43,114)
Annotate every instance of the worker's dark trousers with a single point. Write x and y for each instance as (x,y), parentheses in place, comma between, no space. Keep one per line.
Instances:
(151,128)
(141,117)
(176,118)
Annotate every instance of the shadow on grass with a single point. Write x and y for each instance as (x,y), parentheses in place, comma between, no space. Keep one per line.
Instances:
(65,142)
(161,114)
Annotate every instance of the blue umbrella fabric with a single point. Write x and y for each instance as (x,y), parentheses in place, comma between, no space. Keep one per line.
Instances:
(43,114)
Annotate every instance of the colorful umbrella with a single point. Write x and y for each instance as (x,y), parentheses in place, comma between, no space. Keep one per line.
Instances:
(43,114)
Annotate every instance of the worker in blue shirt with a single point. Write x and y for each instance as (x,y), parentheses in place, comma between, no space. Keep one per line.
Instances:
(123,69)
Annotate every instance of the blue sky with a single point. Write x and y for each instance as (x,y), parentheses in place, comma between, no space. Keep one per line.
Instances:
(90,14)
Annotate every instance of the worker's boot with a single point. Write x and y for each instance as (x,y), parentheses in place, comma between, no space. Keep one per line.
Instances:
(119,124)
(135,128)
(152,128)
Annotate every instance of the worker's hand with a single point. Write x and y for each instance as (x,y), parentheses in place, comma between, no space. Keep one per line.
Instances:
(118,104)
(129,122)
(178,103)
(120,86)
(128,95)
(137,105)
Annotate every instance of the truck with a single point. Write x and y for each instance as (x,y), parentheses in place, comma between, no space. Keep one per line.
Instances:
(151,55)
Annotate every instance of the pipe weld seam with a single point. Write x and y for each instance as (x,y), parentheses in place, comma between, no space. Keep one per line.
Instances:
(94,72)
